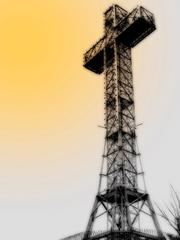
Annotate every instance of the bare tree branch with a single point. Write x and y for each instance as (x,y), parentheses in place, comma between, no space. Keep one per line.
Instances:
(172,212)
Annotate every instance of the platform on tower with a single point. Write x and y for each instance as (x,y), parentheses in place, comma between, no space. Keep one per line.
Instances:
(114,195)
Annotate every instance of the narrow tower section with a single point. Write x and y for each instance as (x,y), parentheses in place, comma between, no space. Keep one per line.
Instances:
(119,199)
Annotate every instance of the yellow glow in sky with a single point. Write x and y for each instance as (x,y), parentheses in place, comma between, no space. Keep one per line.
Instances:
(29,60)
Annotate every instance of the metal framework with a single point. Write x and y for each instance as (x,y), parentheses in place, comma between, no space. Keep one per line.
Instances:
(119,197)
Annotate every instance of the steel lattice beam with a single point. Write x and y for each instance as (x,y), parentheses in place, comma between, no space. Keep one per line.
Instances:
(120,198)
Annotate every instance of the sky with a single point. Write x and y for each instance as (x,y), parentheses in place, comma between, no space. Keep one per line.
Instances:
(51,107)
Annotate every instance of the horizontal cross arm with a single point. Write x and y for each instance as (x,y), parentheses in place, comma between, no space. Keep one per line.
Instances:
(130,31)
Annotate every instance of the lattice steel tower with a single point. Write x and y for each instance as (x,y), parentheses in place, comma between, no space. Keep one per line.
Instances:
(119,198)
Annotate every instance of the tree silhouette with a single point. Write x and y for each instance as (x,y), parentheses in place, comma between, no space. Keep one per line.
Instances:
(172,212)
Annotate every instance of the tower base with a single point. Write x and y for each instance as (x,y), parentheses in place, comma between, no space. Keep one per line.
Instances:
(122,235)
(126,235)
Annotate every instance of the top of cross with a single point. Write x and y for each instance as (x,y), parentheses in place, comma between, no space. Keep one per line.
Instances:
(126,28)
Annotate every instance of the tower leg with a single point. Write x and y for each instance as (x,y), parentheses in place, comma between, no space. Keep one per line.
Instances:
(154,217)
(91,219)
